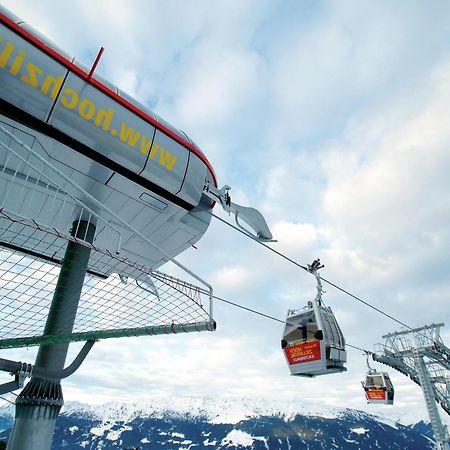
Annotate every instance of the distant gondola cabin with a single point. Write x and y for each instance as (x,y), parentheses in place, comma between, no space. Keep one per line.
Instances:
(378,388)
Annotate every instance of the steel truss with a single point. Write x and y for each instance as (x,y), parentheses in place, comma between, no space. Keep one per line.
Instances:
(421,355)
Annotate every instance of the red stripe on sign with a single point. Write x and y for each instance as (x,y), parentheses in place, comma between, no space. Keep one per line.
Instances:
(376,394)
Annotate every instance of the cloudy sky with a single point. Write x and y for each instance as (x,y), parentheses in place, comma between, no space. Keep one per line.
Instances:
(332,119)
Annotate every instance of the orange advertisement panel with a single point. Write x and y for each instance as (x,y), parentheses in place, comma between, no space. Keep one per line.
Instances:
(376,394)
(304,352)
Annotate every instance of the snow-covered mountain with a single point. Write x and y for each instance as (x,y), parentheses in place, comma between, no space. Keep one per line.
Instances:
(187,423)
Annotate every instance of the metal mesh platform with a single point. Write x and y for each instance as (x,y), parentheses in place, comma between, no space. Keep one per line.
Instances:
(148,303)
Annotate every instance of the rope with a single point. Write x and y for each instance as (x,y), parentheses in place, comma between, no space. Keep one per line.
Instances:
(282,255)
(6,400)
(267,316)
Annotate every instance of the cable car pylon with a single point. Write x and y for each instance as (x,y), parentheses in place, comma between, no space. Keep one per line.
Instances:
(38,405)
(421,354)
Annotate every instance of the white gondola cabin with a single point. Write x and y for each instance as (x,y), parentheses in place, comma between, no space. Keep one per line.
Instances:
(378,387)
(313,343)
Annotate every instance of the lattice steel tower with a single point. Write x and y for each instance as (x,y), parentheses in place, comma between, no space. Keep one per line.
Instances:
(421,354)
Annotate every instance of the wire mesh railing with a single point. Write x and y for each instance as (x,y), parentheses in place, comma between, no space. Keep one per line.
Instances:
(152,303)
(32,189)
(120,297)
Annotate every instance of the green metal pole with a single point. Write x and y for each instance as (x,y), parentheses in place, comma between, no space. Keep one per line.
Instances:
(39,403)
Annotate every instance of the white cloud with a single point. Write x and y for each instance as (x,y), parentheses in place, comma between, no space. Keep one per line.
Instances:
(233,279)
(348,60)
(395,200)
(217,85)
(295,238)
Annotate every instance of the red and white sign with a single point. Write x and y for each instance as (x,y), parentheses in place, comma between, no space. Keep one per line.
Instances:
(376,394)
(302,353)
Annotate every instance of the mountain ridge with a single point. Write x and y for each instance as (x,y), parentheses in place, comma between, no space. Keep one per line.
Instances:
(204,423)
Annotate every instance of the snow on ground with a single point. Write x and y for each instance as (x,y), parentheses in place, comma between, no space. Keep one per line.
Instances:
(114,435)
(237,437)
(359,430)
(178,435)
(230,411)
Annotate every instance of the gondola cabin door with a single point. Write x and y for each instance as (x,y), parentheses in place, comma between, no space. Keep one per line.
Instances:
(305,354)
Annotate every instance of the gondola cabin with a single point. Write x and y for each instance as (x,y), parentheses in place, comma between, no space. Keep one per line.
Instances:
(378,388)
(309,350)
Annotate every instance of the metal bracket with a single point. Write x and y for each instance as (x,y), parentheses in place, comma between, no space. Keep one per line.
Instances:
(314,268)
(150,288)
(24,371)
(21,370)
(370,370)
(251,216)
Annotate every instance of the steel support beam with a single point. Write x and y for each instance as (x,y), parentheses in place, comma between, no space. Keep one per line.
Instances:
(39,403)
(428,393)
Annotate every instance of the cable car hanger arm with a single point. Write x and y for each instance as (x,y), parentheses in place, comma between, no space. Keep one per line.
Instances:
(313,268)
(251,216)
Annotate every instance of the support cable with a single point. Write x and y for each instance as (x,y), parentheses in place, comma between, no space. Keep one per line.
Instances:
(267,316)
(260,242)
(247,309)
(307,270)
(6,400)
(366,303)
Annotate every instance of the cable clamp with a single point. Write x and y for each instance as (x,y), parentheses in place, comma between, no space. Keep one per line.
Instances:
(25,371)
(315,266)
